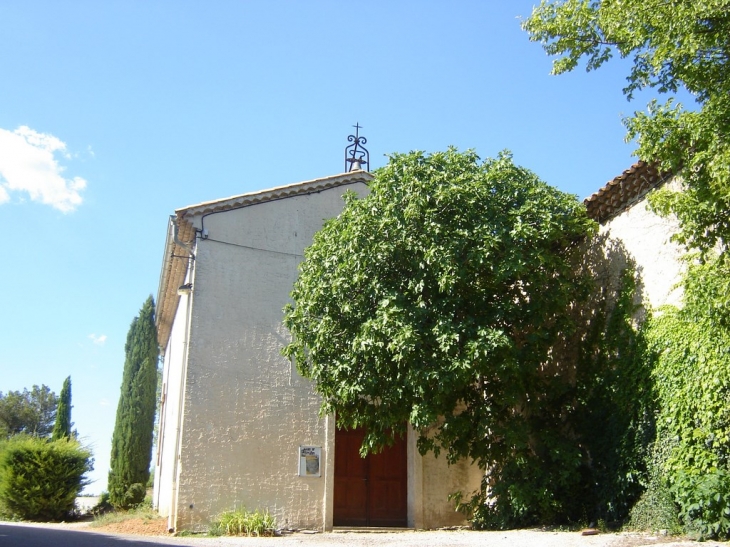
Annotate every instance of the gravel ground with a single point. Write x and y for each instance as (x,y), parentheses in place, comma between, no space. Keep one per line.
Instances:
(460,538)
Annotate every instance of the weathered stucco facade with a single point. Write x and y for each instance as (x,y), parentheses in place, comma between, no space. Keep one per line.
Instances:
(234,411)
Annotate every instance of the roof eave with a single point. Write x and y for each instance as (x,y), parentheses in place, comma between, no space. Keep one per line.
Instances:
(175,263)
(629,187)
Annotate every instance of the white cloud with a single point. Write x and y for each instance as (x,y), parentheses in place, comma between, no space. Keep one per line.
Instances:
(28,164)
(98,340)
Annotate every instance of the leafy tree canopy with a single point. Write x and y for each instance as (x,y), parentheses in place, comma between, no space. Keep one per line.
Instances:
(684,44)
(32,412)
(436,299)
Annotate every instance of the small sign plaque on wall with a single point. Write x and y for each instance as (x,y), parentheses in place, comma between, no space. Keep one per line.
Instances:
(309,461)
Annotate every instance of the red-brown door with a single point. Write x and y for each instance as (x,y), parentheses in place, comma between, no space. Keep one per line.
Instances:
(369,491)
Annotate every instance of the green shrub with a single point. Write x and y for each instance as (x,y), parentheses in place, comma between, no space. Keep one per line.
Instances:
(655,510)
(4,512)
(243,523)
(579,455)
(40,479)
(123,497)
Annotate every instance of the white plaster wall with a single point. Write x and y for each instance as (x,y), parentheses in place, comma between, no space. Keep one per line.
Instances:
(430,482)
(415,481)
(441,479)
(247,410)
(172,383)
(647,238)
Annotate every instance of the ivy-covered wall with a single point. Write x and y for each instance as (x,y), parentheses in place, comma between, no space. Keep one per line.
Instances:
(689,347)
(681,338)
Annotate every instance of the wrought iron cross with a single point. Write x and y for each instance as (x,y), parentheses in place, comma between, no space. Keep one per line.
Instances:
(356,155)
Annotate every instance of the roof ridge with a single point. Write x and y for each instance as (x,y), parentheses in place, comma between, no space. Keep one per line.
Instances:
(277,192)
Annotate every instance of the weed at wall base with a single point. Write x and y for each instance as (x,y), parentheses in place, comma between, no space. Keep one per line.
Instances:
(240,522)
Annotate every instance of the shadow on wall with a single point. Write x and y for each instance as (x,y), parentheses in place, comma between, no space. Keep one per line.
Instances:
(616,425)
(608,261)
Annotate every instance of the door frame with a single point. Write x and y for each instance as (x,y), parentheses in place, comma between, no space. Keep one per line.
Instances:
(414,477)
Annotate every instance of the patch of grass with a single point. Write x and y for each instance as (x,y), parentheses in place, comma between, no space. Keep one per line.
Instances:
(144,512)
(243,523)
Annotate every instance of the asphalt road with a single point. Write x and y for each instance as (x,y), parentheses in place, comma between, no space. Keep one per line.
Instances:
(12,535)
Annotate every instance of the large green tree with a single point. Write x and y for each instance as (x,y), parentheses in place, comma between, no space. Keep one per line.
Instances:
(133,431)
(63,425)
(441,300)
(32,412)
(674,45)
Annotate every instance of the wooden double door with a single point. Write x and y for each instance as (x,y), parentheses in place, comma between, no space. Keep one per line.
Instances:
(370,491)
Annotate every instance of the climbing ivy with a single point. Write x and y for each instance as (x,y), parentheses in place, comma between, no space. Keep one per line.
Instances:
(692,379)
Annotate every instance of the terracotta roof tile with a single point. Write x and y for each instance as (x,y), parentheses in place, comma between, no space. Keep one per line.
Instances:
(624,190)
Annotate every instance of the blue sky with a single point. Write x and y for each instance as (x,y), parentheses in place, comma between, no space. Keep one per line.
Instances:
(115,113)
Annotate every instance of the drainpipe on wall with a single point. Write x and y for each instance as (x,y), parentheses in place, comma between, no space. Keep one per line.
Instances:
(175,231)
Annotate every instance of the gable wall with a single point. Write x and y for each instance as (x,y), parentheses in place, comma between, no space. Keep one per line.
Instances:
(246,408)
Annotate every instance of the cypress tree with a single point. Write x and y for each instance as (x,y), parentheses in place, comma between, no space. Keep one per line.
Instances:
(62,426)
(132,439)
